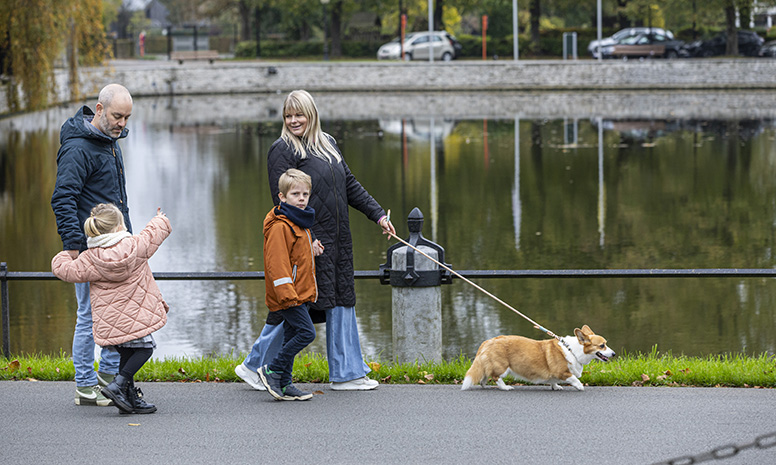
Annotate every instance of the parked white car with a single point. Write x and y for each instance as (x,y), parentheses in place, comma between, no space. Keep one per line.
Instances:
(624,34)
(417,46)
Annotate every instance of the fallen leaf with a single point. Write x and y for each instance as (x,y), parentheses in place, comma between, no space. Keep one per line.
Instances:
(644,378)
(32,380)
(182,371)
(406,378)
(29,370)
(429,376)
(57,370)
(420,381)
(14,365)
(207,376)
(374,366)
(318,393)
(667,373)
(307,365)
(662,377)
(387,378)
(134,424)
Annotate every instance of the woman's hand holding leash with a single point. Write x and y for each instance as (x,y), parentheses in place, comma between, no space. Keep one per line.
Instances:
(385,223)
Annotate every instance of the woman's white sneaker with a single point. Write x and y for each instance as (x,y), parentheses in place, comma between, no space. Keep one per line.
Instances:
(249,376)
(358,384)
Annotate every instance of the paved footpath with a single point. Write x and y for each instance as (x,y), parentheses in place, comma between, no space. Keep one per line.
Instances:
(395,424)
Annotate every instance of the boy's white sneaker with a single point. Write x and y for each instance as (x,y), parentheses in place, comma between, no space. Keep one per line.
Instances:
(249,376)
(358,384)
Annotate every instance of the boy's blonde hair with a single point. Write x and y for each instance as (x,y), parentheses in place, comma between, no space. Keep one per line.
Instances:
(104,218)
(314,141)
(293,176)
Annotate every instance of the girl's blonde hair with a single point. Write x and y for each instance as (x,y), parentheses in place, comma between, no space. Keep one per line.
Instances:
(104,219)
(314,141)
(291,177)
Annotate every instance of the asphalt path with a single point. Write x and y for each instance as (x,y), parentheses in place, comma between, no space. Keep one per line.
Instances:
(395,424)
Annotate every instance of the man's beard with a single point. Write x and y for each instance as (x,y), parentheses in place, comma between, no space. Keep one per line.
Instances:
(105,127)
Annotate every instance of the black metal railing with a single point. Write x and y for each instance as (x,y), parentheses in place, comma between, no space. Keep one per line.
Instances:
(6,276)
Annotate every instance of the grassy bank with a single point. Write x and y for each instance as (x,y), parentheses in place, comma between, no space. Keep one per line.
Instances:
(652,369)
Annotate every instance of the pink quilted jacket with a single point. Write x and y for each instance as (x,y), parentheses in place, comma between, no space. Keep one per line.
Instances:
(126,302)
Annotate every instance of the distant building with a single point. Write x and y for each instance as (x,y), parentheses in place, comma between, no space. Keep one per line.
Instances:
(154,10)
(763,16)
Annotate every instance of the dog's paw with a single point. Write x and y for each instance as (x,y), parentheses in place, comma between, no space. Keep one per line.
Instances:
(556,387)
(503,386)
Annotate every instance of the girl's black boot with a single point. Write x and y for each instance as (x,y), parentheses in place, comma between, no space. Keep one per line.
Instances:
(118,392)
(138,404)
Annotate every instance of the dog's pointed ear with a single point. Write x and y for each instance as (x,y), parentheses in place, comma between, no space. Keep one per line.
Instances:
(586,330)
(582,337)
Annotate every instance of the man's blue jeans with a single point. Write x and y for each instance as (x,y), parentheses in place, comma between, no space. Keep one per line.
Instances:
(299,332)
(83,343)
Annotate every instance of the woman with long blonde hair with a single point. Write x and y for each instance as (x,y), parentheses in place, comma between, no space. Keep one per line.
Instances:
(304,146)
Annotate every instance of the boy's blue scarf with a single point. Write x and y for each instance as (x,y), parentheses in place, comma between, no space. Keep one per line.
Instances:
(304,218)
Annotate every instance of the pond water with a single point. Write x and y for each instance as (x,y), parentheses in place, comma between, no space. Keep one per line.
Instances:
(504,189)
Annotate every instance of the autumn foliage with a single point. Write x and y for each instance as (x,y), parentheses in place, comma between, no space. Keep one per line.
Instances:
(34,34)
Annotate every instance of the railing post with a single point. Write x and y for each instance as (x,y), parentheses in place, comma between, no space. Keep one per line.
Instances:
(6,311)
(417,295)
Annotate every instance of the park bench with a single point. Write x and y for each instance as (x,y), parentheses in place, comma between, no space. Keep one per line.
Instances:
(181,56)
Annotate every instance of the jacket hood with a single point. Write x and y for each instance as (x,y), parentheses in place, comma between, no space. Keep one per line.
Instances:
(117,262)
(273,217)
(79,126)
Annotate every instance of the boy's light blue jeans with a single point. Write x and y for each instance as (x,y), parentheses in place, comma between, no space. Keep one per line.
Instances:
(343,349)
(83,343)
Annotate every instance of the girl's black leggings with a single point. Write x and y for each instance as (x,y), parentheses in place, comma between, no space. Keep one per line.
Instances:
(132,359)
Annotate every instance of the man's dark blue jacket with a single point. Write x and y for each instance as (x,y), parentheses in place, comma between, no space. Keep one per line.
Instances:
(90,170)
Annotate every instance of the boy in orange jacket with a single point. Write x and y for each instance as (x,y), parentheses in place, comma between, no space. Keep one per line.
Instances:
(289,277)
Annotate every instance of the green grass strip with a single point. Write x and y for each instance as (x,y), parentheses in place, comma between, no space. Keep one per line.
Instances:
(651,369)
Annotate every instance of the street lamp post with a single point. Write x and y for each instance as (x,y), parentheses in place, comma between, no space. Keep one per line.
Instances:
(325,30)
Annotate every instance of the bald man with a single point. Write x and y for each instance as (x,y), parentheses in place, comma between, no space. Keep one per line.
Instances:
(90,170)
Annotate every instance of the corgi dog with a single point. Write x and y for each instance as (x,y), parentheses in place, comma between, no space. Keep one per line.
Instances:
(548,361)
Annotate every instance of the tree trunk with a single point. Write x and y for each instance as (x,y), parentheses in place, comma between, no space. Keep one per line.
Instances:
(336,29)
(245,20)
(535,9)
(622,20)
(438,22)
(257,29)
(730,28)
(72,60)
(745,14)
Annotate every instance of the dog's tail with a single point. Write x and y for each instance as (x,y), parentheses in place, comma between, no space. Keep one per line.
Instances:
(475,374)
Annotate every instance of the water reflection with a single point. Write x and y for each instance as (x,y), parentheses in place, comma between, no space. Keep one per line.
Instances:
(506,190)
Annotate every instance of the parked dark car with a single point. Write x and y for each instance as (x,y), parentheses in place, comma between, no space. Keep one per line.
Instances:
(749,44)
(768,49)
(457,46)
(649,45)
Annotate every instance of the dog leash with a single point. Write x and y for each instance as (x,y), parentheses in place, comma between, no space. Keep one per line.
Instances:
(535,324)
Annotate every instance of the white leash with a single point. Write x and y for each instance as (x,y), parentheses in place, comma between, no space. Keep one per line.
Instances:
(536,325)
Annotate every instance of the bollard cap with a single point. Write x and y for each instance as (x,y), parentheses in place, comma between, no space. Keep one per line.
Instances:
(410,277)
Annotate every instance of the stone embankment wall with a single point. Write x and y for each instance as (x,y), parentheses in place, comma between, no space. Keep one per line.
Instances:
(592,86)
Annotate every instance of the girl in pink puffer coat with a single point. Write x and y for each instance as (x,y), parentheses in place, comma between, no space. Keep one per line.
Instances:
(127,305)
